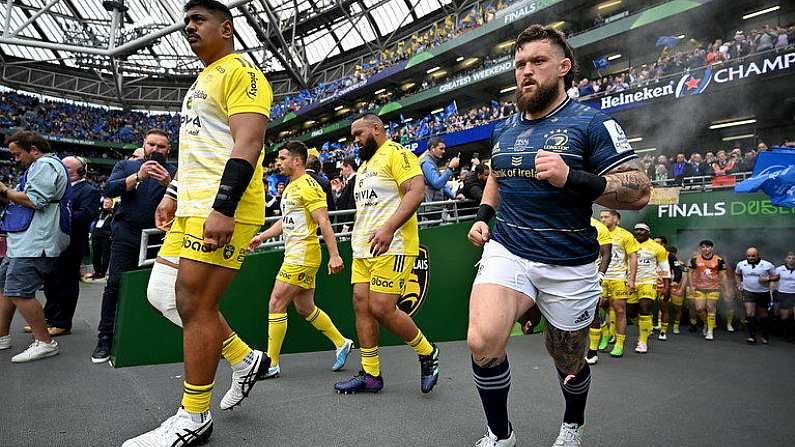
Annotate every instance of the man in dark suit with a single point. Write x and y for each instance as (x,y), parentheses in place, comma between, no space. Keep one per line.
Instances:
(140,184)
(345,201)
(315,170)
(62,288)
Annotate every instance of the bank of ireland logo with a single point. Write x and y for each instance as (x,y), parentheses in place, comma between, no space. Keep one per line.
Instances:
(416,290)
(694,83)
(517,160)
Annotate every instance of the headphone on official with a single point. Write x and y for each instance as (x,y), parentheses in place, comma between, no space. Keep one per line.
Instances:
(83,169)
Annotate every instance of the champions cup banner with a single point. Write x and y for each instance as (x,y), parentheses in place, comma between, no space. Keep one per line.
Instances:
(522,9)
(695,82)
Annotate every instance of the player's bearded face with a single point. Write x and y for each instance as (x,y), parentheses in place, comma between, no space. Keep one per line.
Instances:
(368,148)
(539,96)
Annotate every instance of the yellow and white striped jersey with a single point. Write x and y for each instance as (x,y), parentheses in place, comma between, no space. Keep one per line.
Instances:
(623,245)
(301,196)
(377,194)
(228,86)
(652,262)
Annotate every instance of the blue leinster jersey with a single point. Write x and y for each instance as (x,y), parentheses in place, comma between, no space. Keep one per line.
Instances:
(536,220)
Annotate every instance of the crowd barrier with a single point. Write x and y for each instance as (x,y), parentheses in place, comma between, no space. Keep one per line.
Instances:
(437,296)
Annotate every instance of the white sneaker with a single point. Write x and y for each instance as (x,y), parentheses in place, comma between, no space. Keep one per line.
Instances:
(663,336)
(729,327)
(641,348)
(37,350)
(243,380)
(704,331)
(177,431)
(5,342)
(709,336)
(273,372)
(570,436)
(490,440)
(342,354)
(592,360)
(676,330)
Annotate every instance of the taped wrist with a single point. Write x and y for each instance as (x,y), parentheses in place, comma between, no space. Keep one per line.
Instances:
(485,213)
(587,185)
(171,189)
(237,175)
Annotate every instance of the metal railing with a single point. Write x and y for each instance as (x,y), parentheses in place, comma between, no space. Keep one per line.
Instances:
(701,183)
(429,214)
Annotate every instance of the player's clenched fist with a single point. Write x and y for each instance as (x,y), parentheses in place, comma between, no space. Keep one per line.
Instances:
(479,234)
(551,167)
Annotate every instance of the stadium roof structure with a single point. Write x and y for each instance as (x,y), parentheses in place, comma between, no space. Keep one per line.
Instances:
(143,38)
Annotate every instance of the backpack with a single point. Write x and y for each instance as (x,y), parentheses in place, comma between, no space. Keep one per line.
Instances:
(17,218)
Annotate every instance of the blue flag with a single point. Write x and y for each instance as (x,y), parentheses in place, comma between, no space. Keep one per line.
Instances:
(774,174)
(451,109)
(667,41)
(601,63)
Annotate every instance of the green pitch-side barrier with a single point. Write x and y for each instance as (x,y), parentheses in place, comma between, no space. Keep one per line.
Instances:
(143,337)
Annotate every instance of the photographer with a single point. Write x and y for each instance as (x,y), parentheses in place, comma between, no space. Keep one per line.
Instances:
(36,220)
(141,185)
(62,288)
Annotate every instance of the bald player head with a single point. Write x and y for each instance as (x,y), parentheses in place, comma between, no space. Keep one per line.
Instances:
(75,167)
(369,134)
(752,255)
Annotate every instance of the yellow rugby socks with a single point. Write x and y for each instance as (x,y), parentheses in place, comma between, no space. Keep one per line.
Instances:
(322,322)
(371,364)
(420,344)
(277,330)
(196,398)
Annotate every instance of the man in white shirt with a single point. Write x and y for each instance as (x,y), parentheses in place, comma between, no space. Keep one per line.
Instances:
(754,275)
(785,294)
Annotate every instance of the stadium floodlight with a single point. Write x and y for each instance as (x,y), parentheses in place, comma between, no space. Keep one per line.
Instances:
(508,89)
(339,107)
(408,85)
(646,149)
(459,58)
(378,92)
(721,125)
(431,70)
(506,44)
(439,74)
(635,140)
(738,137)
(342,140)
(614,57)
(439,110)
(760,12)
(681,36)
(609,4)
(408,120)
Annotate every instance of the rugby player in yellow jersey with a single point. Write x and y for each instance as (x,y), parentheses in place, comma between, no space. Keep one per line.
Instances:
(652,261)
(220,209)
(303,208)
(389,188)
(619,280)
(599,326)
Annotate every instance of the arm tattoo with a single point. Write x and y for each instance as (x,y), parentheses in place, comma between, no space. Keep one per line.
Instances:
(628,187)
(567,348)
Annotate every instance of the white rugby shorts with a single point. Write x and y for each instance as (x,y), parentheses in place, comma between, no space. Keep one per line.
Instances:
(565,295)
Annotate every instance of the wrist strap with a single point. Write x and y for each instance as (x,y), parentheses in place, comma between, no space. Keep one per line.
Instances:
(587,185)
(485,213)
(237,175)
(171,189)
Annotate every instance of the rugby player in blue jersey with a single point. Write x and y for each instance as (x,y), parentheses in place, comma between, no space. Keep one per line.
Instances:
(550,162)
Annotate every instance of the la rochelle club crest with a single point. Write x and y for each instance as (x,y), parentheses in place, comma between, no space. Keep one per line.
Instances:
(415,292)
